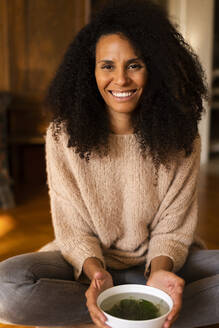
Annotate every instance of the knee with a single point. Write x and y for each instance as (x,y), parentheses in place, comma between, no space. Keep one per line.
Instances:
(15,270)
(14,279)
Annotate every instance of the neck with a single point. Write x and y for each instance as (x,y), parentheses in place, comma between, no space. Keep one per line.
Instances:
(122,131)
(121,124)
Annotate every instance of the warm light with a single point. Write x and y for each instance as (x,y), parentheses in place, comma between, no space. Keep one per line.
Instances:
(7,223)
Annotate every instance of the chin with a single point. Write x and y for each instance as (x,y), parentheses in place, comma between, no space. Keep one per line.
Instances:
(123,109)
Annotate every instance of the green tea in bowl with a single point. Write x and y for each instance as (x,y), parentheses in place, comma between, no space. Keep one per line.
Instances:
(133,309)
(134,306)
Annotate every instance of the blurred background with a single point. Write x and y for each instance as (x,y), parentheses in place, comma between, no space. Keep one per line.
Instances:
(34,35)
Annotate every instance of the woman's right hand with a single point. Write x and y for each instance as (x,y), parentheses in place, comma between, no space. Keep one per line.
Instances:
(101,281)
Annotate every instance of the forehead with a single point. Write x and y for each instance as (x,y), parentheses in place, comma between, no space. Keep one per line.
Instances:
(114,45)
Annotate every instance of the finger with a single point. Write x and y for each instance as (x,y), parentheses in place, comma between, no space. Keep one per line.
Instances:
(167,324)
(173,314)
(94,284)
(170,320)
(99,322)
(177,304)
(92,306)
(95,311)
(92,294)
(98,284)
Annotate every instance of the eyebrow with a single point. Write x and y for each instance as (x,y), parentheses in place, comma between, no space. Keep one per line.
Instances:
(107,61)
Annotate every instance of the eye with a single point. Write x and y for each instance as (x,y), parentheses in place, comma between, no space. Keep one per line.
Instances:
(107,67)
(135,66)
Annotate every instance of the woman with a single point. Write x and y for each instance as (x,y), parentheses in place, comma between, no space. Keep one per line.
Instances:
(122,155)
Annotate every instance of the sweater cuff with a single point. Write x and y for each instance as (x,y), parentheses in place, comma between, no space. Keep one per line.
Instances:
(78,260)
(175,250)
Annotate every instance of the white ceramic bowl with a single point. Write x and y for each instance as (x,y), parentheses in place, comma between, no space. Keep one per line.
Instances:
(147,293)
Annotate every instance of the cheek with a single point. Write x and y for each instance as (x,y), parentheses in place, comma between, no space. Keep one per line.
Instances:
(141,77)
(142,81)
(101,82)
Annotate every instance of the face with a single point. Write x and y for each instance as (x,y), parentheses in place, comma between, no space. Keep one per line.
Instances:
(120,73)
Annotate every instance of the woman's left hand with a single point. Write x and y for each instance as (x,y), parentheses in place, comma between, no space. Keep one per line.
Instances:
(173,286)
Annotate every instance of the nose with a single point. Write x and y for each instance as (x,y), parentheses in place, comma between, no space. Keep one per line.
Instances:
(121,77)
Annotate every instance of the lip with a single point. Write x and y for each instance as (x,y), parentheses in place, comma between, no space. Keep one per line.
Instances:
(123,99)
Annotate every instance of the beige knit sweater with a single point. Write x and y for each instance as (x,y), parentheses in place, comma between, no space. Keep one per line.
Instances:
(111,209)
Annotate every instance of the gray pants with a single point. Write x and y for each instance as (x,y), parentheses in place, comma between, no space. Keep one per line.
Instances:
(38,289)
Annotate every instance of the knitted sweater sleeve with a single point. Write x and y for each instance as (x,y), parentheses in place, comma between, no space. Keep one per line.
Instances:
(72,227)
(172,230)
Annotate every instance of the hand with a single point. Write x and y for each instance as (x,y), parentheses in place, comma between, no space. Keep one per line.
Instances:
(101,281)
(173,286)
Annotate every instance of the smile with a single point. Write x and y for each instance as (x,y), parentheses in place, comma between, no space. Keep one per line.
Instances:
(123,95)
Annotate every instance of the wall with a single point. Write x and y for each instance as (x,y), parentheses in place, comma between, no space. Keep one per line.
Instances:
(196,19)
(34,35)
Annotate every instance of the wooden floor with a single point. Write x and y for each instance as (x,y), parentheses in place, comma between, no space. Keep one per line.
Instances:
(28,226)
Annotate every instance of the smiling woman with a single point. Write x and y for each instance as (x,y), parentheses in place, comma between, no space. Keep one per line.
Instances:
(122,154)
(121,77)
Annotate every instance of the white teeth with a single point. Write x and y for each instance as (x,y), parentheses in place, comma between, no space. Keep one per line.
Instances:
(122,94)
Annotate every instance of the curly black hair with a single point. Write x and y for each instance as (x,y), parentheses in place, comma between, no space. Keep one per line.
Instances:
(165,121)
